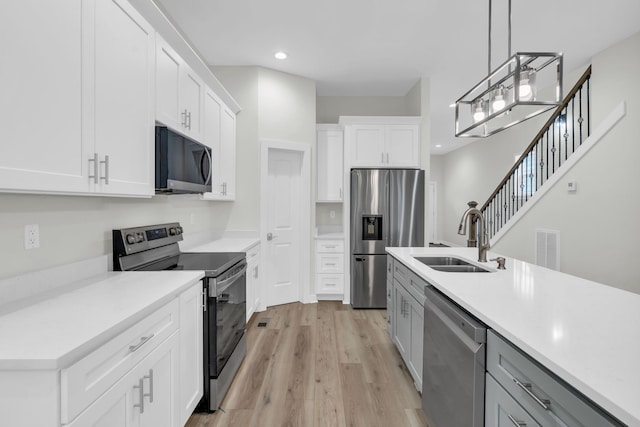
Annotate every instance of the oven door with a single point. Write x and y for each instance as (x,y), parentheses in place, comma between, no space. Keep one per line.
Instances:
(229,323)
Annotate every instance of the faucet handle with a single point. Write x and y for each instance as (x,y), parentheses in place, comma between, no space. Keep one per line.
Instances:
(501,262)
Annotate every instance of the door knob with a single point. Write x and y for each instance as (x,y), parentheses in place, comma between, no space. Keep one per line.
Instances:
(270,236)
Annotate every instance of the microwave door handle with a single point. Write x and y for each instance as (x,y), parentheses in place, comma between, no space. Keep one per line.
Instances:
(209,155)
(205,178)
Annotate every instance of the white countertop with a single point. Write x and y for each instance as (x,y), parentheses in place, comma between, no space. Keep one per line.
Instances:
(585,332)
(225,244)
(54,333)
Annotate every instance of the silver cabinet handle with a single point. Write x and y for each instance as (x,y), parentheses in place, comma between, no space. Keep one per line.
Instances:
(387,157)
(205,299)
(105,162)
(95,168)
(270,236)
(341,194)
(330,246)
(516,422)
(189,120)
(140,388)
(381,157)
(330,263)
(527,388)
(150,378)
(143,340)
(184,118)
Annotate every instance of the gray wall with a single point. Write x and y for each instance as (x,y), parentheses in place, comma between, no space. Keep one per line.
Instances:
(597,222)
(330,108)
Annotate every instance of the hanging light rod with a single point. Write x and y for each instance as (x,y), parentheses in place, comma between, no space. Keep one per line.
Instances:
(509,94)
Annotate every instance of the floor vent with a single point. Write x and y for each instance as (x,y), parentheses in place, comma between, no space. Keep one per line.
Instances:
(548,249)
(262,323)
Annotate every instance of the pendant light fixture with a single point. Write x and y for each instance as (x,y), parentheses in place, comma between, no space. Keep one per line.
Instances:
(510,94)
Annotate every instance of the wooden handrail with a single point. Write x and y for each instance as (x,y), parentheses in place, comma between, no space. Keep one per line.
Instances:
(585,76)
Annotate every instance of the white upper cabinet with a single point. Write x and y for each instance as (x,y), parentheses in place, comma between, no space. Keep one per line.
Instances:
(228,154)
(123,83)
(383,142)
(41,97)
(219,124)
(179,93)
(85,123)
(330,163)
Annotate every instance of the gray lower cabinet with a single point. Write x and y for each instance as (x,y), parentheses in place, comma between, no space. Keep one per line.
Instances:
(524,387)
(501,410)
(405,293)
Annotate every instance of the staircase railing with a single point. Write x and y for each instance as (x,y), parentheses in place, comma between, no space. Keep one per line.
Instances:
(567,128)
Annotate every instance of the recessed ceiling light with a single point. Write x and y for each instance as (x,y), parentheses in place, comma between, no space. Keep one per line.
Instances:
(438,146)
(452,105)
(281,55)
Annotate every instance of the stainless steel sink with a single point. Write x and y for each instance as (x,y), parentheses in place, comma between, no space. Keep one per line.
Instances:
(451,264)
(460,268)
(442,260)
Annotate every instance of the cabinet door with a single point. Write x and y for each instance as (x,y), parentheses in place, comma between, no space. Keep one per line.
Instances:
(191,351)
(158,375)
(402,146)
(402,326)
(124,53)
(228,154)
(41,98)
(211,138)
(330,165)
(168,67)
(416,350)
(367,145)
(192,97)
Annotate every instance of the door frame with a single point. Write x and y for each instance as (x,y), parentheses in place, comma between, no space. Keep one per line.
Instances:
(304,292)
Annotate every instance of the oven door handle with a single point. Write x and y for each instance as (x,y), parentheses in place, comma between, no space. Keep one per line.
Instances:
(224,284)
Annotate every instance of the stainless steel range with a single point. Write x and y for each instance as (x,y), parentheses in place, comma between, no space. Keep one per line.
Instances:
(155,248)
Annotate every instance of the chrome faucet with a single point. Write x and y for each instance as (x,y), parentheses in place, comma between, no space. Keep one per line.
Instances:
(483,238)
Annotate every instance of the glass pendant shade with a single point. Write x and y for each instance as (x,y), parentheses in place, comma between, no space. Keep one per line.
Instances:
(498,101)
(527,88)
(478,110)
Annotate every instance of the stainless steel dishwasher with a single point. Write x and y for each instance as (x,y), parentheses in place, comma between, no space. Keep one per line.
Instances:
(453,364)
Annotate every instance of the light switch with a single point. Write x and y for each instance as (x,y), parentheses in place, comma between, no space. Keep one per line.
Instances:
(572,186)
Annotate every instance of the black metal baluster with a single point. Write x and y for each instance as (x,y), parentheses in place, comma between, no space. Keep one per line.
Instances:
(573,124)
(580,119)
(588,106)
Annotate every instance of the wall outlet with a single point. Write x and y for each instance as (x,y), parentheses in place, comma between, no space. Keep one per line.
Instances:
(31,236)
(332,214)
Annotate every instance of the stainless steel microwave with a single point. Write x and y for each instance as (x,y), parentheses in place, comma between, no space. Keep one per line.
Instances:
(182,165)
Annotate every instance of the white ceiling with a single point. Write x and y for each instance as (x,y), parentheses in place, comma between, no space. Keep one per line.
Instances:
(382,47)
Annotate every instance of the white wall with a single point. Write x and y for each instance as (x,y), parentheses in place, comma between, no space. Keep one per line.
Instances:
(74,228)
(597,223)
(330,108)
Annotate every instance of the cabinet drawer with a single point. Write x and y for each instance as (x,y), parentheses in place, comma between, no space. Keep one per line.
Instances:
(87,379)
(400,272)
(328,263)
(330,283)
(390,262)
(501,410)
(547,398)
(328,246)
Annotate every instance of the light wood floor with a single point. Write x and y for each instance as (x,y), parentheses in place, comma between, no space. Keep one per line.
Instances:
(318,365)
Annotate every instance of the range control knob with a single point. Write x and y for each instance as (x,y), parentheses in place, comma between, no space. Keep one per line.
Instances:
(173,231)
(139,237)
(179,230)
(131,239)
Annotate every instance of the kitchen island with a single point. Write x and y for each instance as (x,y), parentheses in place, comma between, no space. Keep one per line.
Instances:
(586,333)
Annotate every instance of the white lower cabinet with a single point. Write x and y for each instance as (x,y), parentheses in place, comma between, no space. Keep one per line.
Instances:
(191,351)
(253,280)
(329,268)
(143,397)
(148,375)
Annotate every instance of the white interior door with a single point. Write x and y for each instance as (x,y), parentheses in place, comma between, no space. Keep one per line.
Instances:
(283,225)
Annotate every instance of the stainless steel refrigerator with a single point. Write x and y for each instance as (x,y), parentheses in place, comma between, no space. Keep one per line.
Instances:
(387,209)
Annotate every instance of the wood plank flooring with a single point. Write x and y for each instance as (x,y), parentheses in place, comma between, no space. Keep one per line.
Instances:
(319,365)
